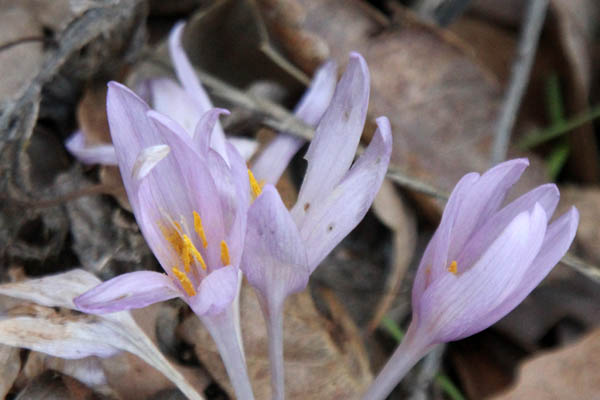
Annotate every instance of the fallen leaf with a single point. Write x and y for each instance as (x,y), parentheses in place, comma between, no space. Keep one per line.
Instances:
(568,373)
(10,364)
(52,385)
(70,334)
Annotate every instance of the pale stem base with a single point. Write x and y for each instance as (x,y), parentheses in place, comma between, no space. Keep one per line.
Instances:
(273,314)
(408,353)
(223,331)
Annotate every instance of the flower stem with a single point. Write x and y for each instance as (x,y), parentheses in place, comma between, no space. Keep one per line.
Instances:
(272,309)
(408,353)
(223,331)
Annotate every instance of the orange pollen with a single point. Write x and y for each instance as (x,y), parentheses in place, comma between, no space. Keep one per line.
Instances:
(200,229)
(186,284)
(254,186)
(453,268)
(191,251)
(224,253)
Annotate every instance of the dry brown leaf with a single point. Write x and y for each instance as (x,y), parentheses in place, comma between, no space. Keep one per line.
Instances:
(391,210)
(320,361)
(69,334)
(52,385)
(569,373)
(10,365)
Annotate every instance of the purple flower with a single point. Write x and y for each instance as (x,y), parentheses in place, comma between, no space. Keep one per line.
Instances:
(189,190)
(482,261)
(284,247)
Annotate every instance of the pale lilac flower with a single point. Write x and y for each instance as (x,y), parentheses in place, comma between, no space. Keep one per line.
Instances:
(482,261)
(190,196)
(283,248)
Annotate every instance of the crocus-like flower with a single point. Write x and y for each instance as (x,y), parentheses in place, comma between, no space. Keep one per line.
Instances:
(190,195)
(481,263)
(283,248)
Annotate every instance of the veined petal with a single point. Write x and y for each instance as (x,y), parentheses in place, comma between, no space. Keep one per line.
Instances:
(546,196)
(216,292)
(485,199)
(456,306)
(324,223)
(205,127)
(132,290)
(94,154)
(435,258)
(131,132)
(275,158)
(188,78)
(274,260)
(332,150)
(558,239)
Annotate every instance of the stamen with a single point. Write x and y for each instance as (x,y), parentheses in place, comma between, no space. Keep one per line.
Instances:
(186,284)
(254,186)
(453,267)
(200,229)
(191,250)
(225,253)
(173,237)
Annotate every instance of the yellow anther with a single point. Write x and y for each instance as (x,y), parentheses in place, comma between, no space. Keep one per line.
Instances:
(173,237)
(191,250)
(254,186)
(186,284)
(199,229)
(453,267)
(178,226)
(224,253)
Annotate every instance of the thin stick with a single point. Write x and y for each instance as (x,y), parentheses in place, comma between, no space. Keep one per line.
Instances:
(532,27)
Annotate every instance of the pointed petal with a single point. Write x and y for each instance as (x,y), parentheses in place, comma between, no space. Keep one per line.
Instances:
(485,199)
(205,127)
(546,195)
(188,78)
(131,132)
(332,150)
(170,99)
(274,159)
(216,292)
(458,306)
(132,290)
(274,260)
(95,154)
(435,259)
(558,239)
(323,224)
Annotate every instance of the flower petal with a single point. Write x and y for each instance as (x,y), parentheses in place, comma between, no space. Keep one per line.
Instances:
(147,159)
(274,259)
(94,154)
(216,292)
(546,195)
(435,258)
(333,148)
(484,200)
(131,132)
(324,223)
(188,78)
(170,99)
(205,127)
(275,158)
(558,239)
(456,306)
(132,290)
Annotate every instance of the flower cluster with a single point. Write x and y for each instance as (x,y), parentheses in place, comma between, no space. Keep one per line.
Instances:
(207,218)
